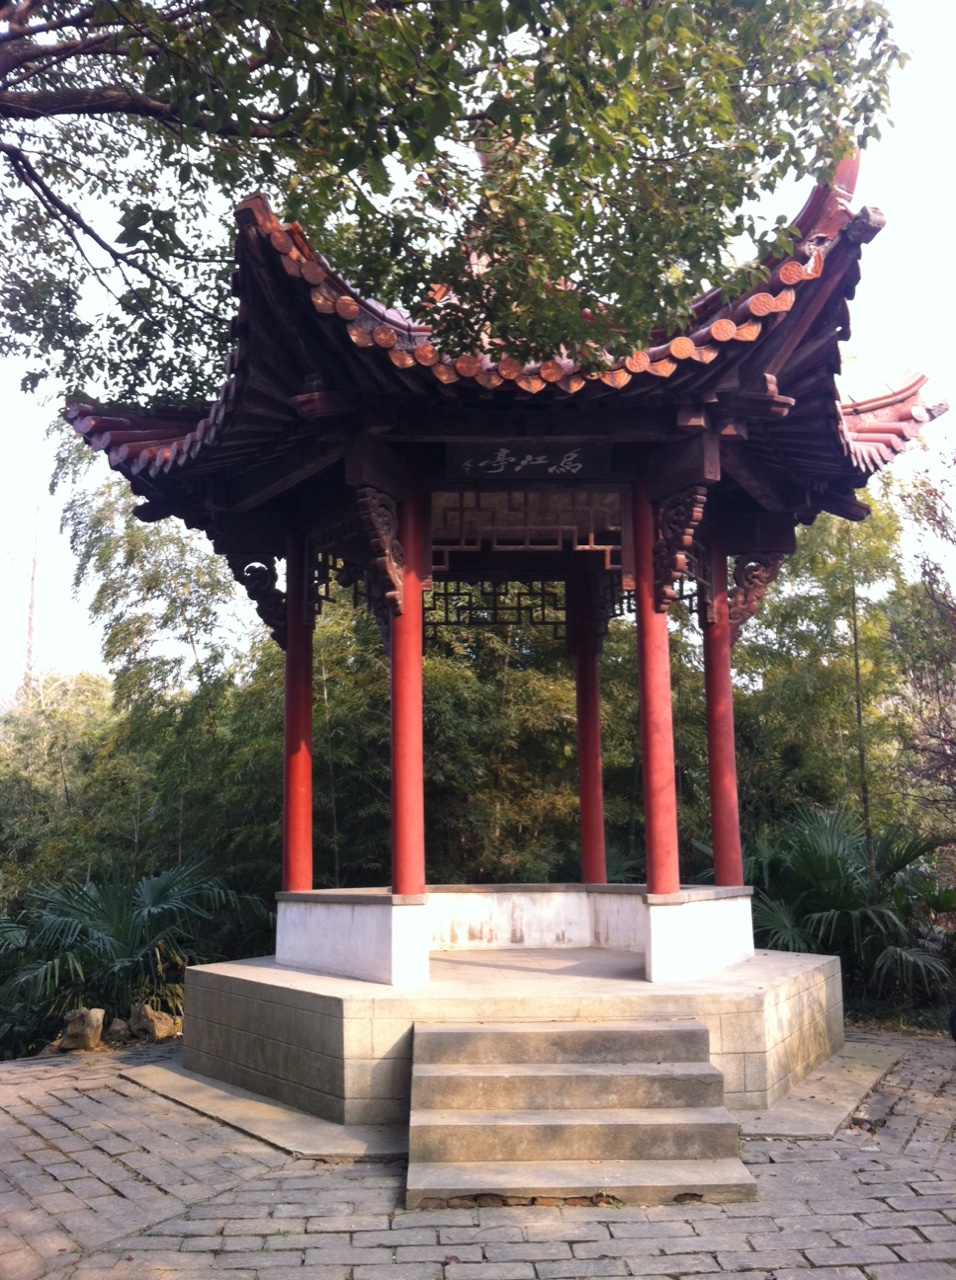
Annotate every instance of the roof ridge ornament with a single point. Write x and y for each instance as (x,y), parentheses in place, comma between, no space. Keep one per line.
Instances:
(867,224)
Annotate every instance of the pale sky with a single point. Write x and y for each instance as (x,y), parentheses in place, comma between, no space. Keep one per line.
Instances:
(900,320)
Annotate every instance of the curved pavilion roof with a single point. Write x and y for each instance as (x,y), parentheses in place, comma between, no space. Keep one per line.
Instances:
(315,367)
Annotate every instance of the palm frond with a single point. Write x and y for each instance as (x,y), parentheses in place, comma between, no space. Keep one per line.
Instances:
(115,940)
(13,935)
(778,924)
(907,964)
(39,980)
(897,848)
(859,923)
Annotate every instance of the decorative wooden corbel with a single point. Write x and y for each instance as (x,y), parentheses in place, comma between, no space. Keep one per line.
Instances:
(753,574)
(258,577)
(379,517)
(679,516)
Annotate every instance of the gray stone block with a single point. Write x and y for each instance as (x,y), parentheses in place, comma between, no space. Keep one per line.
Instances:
(541,1041)
(457,1086)
(912,1271)
(645,1182)
(231,1071)
(699,1133)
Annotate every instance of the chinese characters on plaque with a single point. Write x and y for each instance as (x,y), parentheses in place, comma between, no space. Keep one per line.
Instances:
(527,462)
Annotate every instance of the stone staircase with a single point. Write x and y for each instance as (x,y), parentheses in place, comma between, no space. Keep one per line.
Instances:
(630,1111)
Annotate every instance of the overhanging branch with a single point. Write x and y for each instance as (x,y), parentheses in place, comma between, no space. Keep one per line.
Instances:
(115,100)
(73,220)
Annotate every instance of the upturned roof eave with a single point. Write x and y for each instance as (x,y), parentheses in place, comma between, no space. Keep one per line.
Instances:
(297,318)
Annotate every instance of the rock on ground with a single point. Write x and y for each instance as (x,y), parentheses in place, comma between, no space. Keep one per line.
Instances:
(83,1029)
(153,1025)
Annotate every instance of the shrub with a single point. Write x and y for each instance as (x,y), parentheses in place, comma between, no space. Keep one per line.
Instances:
(817,890)
(114,942)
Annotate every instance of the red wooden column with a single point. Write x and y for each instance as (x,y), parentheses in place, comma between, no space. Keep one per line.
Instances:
(408,778)
(297,772)
(724,813)
(587,689)
(657,725)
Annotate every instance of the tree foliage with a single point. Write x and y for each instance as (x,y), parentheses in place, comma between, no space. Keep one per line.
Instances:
(923,634)
(113,941)
(923,638)
(797,731)
(500,764)
(163,600)
(815,893)
(506,148)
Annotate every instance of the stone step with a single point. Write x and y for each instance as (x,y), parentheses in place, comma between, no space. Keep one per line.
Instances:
(658,1040)
(663,1133)
(529,1085)
(644,1182)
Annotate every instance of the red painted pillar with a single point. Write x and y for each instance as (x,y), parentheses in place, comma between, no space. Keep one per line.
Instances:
(587,689)
(297,773)
(657,726)
(724,814)
(408,778)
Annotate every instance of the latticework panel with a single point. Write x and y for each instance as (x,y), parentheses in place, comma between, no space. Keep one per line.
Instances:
(525,520)
(495,604)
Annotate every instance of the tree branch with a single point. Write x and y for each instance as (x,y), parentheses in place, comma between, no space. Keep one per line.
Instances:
(21,32)
(25,170)
(37,60)
(27,173)
(19,14)
(116,100)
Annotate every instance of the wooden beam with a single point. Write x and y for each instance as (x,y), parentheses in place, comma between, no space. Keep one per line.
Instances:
(772,492)
(765,531)
(690,462)
(325,404)
(278,475)
(266,531)
(516,438)
(841,504)
(369,462)
(754,401)
(573,423)
(721,755)
(155,509)
(654,707)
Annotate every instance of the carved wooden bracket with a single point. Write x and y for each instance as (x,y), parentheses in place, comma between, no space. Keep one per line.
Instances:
(679,516)
(257,575)
(379,517)
(753,574)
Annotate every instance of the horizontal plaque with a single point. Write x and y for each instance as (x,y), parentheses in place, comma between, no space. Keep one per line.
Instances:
(525,462)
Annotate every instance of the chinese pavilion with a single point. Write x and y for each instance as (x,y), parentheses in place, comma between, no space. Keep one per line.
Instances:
(346,444)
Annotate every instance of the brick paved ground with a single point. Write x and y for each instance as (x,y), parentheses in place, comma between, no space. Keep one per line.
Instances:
(99,1177)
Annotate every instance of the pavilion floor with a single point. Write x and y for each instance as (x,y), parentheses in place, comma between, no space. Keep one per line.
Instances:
(341,1048)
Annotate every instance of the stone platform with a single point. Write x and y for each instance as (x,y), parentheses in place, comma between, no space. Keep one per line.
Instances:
(340,1048)
(379,936)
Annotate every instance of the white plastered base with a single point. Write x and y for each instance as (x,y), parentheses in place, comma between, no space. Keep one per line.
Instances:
(377,936)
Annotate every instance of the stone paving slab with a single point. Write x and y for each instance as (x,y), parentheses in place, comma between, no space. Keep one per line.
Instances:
(817,1108)
(825,1101)
(284,1127)
(103,1177)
